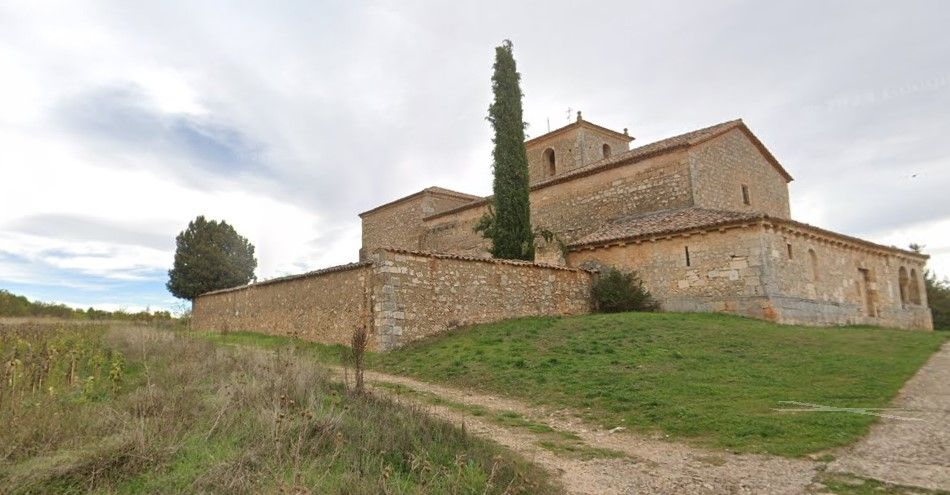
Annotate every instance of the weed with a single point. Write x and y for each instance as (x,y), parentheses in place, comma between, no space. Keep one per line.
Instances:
(168,413)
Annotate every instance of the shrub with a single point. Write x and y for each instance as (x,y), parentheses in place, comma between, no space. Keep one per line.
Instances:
(615,291)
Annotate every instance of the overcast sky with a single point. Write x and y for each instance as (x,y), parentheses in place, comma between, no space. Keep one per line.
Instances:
(120,122)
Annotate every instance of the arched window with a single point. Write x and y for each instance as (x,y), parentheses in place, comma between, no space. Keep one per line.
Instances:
(550,167)
(813,259)
(902,282)
(606,150)
(914,289)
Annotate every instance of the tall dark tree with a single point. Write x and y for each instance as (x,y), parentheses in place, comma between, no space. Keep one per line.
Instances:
(938,294)
(211,255)
(938,298)
(509,224)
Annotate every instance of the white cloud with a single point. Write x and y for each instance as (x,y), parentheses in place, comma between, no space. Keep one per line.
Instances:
(288,121)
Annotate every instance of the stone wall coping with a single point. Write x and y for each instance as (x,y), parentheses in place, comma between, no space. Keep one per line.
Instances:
(760,220)
(287,278)
(449,256)
(362,264)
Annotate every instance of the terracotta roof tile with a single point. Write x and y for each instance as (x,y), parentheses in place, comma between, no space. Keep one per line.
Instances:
(683,220)
(663,222)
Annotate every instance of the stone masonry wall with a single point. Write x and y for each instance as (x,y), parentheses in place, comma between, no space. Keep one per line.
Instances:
(399,225)
(724,272)
(399,295)
(748,271)
(591,144)
(323,306)
(577,207)
(821,282)
(572,150)
(455,233)
(418,295)
(574,208)
(722,165)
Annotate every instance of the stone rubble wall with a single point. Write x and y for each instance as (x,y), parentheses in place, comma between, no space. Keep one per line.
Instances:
(419,295)
(323,306)
(400,295)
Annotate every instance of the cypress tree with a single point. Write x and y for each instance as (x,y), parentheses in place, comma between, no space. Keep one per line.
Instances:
(509,227)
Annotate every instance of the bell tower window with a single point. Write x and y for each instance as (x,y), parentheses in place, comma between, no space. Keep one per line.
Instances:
(550,165)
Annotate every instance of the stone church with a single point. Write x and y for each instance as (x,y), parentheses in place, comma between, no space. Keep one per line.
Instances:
(702,217)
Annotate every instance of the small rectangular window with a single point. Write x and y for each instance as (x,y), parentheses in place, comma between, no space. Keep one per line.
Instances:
(745,195)
(789,246)
(687,255)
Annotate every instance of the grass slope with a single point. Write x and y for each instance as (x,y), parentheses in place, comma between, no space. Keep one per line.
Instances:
(713,379)
(89,409)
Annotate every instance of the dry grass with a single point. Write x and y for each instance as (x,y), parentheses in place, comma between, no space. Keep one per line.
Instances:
(183,415)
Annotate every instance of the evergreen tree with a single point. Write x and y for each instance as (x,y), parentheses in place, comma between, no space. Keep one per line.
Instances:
(938,294)
(508,225)
(938,298)
(210,255)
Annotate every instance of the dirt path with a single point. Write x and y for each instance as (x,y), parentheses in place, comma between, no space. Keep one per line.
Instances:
(910,452)
(634,464)
(596,461)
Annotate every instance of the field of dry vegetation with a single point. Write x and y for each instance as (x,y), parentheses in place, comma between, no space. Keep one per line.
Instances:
(91,408)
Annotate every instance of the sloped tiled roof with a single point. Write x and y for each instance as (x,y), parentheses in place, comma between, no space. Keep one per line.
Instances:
(574,125)
(429,190)
(663,222)
(667,145)
(663,146)
(679,142)
(449,192)
(684,220)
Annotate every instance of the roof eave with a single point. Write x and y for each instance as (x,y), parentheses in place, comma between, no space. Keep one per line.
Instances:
(746,222)
(428,190)
(573,125)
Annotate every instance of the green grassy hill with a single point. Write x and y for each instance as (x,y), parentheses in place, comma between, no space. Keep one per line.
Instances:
(712,379)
